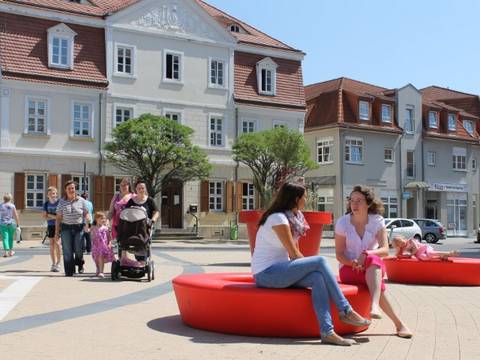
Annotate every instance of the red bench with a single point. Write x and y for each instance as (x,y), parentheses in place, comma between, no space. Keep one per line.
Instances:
(230,303)
(454,271)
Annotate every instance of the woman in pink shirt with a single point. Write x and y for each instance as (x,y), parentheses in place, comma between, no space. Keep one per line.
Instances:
(118,204)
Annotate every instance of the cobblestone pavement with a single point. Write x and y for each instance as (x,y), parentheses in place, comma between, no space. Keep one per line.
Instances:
(45,315)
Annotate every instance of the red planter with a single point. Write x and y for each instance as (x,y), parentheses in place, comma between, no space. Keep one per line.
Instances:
(309,244)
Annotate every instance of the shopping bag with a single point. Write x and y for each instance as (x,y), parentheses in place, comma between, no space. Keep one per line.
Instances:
(18,235)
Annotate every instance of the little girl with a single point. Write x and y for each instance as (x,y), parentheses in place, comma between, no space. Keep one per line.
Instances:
(420,251)
(101,243)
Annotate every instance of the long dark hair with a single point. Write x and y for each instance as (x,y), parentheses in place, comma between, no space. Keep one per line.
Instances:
(375,205)
(286,199)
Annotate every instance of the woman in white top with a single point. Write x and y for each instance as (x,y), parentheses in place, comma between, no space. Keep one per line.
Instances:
(278,263)
(360,243)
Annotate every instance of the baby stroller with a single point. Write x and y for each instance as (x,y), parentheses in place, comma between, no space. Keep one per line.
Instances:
(134,235)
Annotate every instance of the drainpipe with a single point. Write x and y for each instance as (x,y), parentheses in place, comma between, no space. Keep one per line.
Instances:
(237,165)
(341,163)
(100,140)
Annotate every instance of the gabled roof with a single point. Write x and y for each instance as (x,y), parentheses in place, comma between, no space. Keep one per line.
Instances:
(469,103)
(358,87)
(24,52)
(335,102)
(97,8)
(252,36)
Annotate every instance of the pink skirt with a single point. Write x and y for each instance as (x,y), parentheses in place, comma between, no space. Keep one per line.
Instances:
(353,277)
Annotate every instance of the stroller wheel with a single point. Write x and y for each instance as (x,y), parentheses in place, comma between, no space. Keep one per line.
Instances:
(152,269)
(113,271)
(148,271)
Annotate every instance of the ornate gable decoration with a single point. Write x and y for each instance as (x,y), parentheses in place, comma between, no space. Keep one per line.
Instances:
(62,30)
(168,16)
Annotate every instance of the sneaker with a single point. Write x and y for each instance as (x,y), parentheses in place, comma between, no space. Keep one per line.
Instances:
(101,276)
(53,268)
(56,268)
(80,269)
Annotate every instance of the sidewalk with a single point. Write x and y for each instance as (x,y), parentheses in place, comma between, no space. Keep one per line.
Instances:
(85,317)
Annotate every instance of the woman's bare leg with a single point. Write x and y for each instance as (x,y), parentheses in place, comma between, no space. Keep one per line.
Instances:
(373,278)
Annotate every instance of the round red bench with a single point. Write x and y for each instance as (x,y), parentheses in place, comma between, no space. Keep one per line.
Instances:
(230,303)
(455,271)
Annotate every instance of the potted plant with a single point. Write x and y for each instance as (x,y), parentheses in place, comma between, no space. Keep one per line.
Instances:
(274,157)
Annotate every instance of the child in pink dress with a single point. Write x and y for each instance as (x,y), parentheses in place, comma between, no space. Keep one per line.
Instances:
(101,243)
(421,251)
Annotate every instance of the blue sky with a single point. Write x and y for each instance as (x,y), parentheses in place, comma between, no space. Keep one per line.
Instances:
(385,42)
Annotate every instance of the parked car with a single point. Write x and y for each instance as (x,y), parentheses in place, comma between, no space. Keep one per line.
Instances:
(432,230)
(403,227)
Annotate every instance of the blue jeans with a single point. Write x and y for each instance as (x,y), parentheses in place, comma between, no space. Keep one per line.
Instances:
(72,244)
(314,272)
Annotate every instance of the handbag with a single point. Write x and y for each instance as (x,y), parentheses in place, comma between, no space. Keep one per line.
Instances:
(18,235)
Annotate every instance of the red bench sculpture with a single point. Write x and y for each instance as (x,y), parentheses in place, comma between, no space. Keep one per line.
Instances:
(454,271)
(230,303)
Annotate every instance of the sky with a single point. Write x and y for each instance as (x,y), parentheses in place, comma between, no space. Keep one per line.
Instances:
(388,43)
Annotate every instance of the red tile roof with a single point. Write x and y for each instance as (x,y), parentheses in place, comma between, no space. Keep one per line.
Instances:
(470,103)
(335,102)
(98,8)
(251,36)
(289,86)
(24,53)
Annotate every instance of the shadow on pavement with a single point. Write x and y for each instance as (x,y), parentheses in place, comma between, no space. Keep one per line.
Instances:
(244,264)
(173,325)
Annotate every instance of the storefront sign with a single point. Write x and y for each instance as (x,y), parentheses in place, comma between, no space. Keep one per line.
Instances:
(447,187)
(406,195)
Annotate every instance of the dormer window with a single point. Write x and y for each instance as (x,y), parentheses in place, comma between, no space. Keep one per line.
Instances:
(468,125)
(386,113)
(452,122)
(234,28)
(433,119)
(60,46)
(364,110)
(267,76)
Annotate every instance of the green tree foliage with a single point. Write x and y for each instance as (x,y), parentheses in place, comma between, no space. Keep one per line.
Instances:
(158,150)
(274,156)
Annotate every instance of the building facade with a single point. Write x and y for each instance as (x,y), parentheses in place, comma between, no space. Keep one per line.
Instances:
(414,147)
(184,60)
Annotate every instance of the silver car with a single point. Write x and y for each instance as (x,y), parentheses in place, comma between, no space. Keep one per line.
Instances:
(403,227)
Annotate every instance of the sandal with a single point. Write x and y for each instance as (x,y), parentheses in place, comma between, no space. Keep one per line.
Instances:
(353,320)
(335,339)
(404,333)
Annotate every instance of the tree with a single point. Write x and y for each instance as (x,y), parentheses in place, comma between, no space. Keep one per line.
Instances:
(158,150)
(274,156)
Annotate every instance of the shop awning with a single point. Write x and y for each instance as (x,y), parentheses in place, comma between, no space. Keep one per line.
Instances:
(417,185)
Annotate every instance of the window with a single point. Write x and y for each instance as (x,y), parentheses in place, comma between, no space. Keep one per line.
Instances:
(277,123)
(474,164)
(35,191)
(386,113)
(82,119)
(215,198)
(82,183)
(248,126)
(364,110)
(391,206)
(234,28)
(431,158)
(173,66)
(411,164)
(433,119)
(409,121)
(459,158)
(36,116)
(173,115)
(216,131)
(354,150)
(468,125)
(266,76)
(248,196)
(60,46)
(122,114)
(217,73)
(125,60)
(452,122)
(325,151)
(388,154)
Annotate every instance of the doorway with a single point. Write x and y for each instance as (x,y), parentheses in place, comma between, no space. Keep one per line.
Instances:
(172,205)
